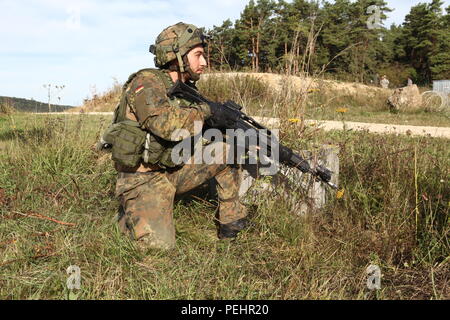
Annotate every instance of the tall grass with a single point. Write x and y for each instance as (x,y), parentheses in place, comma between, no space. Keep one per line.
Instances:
(6,108)
(105,101)
(58,209)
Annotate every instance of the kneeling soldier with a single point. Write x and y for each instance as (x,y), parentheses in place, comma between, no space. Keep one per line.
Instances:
(148,181)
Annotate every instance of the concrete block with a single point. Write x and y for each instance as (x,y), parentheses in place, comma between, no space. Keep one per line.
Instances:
(303,193)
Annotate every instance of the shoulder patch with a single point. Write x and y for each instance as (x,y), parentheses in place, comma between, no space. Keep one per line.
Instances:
(139,89)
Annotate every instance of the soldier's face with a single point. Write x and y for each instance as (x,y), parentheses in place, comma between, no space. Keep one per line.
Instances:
(196,59)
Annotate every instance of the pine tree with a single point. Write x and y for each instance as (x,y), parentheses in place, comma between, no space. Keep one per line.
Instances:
(425,37)
(276,35)
(252,27)
(220,50)
(349,46)
(440,57)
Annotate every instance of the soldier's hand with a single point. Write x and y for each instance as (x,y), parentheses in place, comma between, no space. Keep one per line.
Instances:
(218,117)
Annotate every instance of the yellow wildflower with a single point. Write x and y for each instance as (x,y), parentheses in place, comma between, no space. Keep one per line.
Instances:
(340,194)
(342,110)
(295,120)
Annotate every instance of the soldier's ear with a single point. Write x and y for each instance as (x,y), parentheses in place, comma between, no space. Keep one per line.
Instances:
(173,65)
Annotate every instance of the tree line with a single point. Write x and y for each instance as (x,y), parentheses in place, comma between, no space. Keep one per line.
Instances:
(335,39)
(26,105)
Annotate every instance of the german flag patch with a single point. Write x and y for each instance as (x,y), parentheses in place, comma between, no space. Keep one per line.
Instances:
(138,89)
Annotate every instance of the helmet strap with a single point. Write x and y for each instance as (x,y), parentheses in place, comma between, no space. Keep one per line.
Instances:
(175,67)
(180,62)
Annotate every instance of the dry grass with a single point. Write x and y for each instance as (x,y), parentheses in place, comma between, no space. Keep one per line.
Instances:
(101,102)
(6,109)
(395,213)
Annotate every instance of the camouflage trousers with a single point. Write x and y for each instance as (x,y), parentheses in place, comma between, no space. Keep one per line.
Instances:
(147,200)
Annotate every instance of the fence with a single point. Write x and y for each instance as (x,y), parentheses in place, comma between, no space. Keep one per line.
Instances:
(442,86)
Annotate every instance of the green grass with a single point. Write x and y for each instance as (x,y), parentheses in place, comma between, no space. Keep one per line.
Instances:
(373,109)
(394,214)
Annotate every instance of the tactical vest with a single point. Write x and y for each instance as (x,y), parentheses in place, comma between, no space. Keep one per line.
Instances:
(130,144)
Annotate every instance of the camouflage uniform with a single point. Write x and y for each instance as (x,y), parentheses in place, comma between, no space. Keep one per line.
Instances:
(147,192)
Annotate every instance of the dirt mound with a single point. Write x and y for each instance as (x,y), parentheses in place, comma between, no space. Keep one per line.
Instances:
(104,102)
(108,100)
(305,84)
(406,99)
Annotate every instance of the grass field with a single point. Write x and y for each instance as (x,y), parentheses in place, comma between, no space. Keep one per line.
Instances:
(57,209)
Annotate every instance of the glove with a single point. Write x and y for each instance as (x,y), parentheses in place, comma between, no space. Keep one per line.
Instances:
(218,118)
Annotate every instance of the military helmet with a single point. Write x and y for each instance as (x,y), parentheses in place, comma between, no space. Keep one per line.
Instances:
(174,42)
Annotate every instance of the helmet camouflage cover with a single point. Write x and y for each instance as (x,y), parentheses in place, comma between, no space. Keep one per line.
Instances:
(174,42)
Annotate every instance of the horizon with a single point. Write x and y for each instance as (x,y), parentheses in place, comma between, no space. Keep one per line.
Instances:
(88,45)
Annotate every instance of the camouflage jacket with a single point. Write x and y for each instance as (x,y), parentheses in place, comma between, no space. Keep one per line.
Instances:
(148,104)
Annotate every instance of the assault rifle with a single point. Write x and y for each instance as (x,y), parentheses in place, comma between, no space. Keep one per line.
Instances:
(236,119)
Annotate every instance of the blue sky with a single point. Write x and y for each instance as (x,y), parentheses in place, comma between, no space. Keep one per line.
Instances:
(84,44)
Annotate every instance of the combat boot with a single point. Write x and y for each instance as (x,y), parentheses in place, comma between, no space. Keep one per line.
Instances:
(231,230)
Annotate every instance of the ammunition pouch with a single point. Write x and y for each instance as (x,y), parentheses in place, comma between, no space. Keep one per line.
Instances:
(158,151)
(131,145)
(127,140)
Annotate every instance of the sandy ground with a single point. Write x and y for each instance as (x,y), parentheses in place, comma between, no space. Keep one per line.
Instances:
(276,81)
(435,132)
(304,84)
